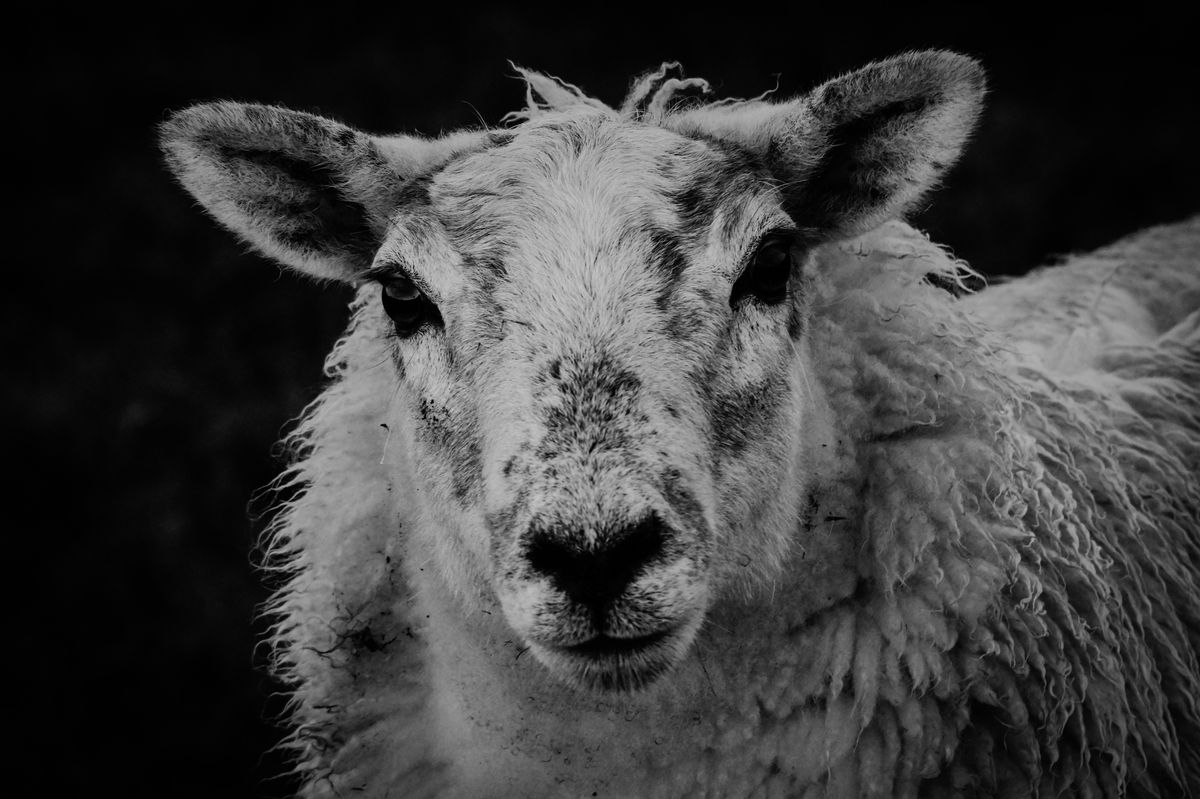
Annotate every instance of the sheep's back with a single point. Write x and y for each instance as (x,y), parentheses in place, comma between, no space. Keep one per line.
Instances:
(1128,293)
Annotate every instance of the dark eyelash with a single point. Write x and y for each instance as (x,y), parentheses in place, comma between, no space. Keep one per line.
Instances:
(385,272)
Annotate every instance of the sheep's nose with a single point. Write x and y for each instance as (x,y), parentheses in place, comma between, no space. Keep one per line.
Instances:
(597,573)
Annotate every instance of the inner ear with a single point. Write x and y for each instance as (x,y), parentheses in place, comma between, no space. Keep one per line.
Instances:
(864,166)
(315,214)
(308,191)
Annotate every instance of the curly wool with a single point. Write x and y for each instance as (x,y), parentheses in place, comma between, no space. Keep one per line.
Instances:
(1026,618)
(1054,520)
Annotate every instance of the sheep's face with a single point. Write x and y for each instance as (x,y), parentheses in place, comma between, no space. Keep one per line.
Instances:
(597,322)
(597,328)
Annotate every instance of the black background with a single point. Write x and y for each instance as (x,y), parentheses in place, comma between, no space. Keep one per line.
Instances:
(156,360)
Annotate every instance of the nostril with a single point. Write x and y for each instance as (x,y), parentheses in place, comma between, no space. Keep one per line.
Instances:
(595,574)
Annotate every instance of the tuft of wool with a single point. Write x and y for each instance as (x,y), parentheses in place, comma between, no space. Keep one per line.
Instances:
(547,93)
(652,98)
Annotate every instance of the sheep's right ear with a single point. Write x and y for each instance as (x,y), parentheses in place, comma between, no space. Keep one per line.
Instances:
(305,190)
(861,148)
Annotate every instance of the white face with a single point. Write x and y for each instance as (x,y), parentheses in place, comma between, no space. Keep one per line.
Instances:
(596,327)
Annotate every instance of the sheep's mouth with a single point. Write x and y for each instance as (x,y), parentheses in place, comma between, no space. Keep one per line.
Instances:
(608,664)
(604,645)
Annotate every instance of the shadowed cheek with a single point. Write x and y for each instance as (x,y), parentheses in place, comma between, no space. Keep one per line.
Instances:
(449,438)
(747,416)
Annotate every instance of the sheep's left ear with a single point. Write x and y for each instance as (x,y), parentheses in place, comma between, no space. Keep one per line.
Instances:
(861,148)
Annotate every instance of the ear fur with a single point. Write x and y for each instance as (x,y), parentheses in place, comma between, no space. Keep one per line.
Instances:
(863,147)
(308,191)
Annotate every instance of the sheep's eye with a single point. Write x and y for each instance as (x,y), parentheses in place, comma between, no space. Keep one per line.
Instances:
(408,307)
(766,276)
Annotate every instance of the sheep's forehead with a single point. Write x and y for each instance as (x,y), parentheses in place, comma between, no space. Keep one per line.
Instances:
(564,192)
(598,154)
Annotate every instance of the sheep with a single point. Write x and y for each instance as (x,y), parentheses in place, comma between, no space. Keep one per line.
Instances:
(657,459)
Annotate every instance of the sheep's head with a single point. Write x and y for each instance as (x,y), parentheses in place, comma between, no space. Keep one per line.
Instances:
(597,321)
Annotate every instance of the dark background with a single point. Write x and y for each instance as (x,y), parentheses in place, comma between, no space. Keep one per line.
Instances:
(157,360)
